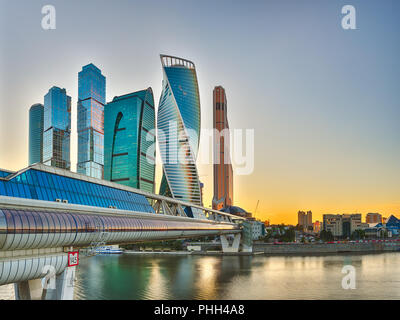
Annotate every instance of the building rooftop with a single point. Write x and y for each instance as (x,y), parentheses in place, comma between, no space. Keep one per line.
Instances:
(392,220)
(5,173)
(91,66)
(141,94)
(235,211)
(41,182)
(172,61)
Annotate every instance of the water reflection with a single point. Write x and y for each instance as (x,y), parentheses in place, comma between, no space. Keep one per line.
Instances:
(234,277)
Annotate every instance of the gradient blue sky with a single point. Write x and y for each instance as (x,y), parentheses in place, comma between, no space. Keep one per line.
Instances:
(324,102)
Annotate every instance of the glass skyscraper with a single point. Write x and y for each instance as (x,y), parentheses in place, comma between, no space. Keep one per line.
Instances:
(36,114)
(91,100)
(178,125)
(57,128)
(129,140)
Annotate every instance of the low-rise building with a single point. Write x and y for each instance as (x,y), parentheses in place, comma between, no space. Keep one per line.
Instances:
(257,229)
(342,225)
(393,225)
(333,223)
(317,226)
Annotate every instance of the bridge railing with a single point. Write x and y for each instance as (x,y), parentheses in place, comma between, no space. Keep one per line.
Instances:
(160,204)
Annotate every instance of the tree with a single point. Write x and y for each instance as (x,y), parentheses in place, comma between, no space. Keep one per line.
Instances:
(326,235)
(289,235)
(299,227)
(358,234)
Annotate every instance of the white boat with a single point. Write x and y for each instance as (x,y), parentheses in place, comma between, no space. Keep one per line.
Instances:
(109,250)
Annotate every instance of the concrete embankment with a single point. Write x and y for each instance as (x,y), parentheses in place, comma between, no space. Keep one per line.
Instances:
(321,248)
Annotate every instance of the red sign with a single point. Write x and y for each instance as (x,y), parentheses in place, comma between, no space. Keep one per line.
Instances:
(73,258)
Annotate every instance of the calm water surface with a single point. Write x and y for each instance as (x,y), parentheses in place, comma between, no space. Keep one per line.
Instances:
(232,277)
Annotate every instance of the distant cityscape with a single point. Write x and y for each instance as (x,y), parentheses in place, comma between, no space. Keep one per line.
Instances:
(334,227)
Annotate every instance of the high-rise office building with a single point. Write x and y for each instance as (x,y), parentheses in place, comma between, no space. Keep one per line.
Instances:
(309,218)
(333,223)
(223,172)
(36,114)
(91,100)
(305,219)
(178,125)
(129,140)
(57,128)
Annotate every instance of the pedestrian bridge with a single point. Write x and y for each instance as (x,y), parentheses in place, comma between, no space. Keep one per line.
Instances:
(48,213)
(27,224)
(36,237)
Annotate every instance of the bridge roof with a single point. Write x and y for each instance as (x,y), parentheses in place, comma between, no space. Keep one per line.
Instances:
(84,190)
(5,173)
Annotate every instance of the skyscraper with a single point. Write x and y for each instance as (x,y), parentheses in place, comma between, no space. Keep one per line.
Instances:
(223,172)
(304,219)
(36,133)
(129,140)
(91,100)
(57,128)
(178,125)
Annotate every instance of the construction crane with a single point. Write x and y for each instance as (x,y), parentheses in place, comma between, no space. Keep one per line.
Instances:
(255,211)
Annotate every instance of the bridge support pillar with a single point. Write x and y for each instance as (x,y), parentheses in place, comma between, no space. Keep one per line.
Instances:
(64,286)
(28,290)
(246,248)
(60,288)
(230,248)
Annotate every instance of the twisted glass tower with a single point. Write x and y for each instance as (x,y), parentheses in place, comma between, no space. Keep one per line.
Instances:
(178,129)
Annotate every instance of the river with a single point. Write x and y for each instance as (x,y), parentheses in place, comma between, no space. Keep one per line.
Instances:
(129,276)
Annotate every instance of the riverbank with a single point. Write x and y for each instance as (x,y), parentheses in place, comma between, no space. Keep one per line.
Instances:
(288,249)
(194,253)
(169,253)
(325,248)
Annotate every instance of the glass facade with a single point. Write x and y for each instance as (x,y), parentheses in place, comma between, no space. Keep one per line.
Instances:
(57,129)
(91,100)
(36,116)
(130,140)
(42,185)
(178,125)
(4,173)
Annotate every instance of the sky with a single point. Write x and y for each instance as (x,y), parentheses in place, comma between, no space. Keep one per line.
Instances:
(323,101)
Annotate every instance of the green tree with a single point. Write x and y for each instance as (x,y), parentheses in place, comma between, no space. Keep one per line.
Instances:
(289,235)
(358,235)
(326,235)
